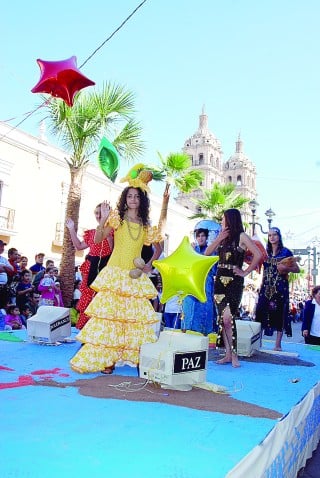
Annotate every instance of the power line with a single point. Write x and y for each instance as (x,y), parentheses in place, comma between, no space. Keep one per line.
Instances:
(30,113)
(112,34)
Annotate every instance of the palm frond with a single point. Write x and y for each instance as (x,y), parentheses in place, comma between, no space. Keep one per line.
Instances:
(128,141)
(217,200)
(189,181)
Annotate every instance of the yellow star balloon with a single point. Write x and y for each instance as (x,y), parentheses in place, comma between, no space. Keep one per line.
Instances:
(184,272)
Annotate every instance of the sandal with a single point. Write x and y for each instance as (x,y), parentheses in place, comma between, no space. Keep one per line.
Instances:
(108,370)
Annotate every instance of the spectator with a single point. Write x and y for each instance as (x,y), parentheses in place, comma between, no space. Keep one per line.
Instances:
(13,317)
(3,325)
(23,263)
(33,303)
(57,301)
(14,275)
(5,267)
(47,288)
(77,273)
(76,290)
(300,311)
(40,274)
(38,266)
(56,274)
(25,314)
(24,288)
(13,258)
(201,316)
(311,318)
(172,313)
(74,313)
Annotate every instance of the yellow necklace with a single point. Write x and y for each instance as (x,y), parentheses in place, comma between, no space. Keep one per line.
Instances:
(132,229)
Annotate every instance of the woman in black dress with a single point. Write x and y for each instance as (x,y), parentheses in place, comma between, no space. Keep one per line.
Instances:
(231,245)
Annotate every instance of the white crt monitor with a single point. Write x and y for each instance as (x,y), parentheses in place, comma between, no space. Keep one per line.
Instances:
(176,360)
(49,325)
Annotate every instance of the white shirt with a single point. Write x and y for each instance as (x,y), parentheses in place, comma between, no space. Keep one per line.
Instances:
(76,294)
(172,305)
(315,324)
(3,275)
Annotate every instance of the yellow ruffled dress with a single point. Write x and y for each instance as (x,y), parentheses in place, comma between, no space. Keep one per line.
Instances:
(121,314)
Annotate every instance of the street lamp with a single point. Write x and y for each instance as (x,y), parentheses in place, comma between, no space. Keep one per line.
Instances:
(253,204)
(313,259)
(269,213)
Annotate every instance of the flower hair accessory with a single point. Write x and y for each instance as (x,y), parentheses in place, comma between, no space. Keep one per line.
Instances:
(140,175)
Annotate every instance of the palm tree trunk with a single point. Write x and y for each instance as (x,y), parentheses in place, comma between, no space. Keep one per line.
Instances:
(164,209)
(68,252)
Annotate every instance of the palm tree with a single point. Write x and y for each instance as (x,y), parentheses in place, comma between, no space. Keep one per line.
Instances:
(177,173)
(296,278)
(79,129)
(217,200)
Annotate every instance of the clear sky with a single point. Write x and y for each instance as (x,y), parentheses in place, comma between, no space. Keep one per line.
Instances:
(254,65)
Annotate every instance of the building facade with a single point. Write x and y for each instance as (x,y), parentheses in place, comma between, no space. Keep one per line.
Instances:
(34,184)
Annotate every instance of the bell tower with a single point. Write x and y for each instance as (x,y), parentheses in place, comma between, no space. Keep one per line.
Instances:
(206,155)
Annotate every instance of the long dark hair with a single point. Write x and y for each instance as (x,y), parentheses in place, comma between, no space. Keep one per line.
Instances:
(280,243)
(144,207)
(234,224)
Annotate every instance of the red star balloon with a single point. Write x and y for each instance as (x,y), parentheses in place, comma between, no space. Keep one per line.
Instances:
(61,79)
(184,272)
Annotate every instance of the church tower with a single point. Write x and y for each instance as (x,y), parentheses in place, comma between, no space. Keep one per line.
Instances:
(206,155)
(240,171)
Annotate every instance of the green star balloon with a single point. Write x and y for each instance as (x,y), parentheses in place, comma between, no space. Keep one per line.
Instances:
(108,159)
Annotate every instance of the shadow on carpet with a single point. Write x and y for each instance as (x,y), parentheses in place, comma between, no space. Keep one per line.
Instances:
(264,357)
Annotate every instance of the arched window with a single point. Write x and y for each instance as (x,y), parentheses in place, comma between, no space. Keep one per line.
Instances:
(230,179)
(200,158)
(239,180)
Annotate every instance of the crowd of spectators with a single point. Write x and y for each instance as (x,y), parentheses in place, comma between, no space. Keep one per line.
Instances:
(23,289)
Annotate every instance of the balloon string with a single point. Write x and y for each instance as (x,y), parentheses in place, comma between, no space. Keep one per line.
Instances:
(30,113)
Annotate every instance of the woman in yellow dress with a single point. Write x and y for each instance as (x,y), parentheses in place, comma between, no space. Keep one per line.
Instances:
(121,314)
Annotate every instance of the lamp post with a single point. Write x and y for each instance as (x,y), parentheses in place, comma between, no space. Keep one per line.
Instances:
(269,213)
(312,259)
(307,252)
(253,204)
(315,263)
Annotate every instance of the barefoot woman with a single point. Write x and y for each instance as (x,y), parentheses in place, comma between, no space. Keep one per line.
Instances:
(231,245)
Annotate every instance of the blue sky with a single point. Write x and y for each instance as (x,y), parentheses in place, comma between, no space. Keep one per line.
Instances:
(253,64)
